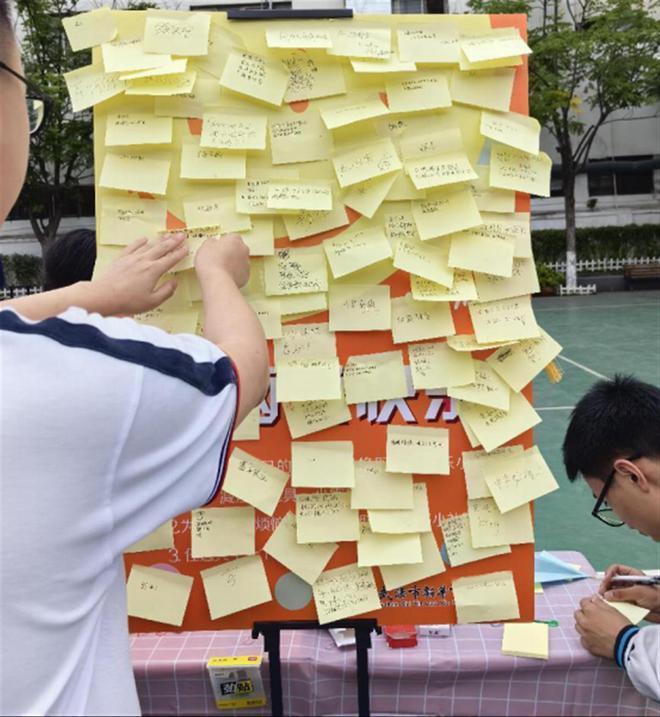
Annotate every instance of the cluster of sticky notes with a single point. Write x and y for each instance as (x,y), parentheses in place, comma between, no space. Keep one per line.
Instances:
(342,153)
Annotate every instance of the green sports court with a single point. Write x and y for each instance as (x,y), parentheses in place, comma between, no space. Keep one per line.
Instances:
(601,335)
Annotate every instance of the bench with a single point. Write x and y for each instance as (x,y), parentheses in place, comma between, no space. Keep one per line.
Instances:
(649,273)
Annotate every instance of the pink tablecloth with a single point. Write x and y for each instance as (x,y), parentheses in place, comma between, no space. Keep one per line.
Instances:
(464,674)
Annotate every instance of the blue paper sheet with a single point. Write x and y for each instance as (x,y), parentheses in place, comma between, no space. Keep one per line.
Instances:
(550,569)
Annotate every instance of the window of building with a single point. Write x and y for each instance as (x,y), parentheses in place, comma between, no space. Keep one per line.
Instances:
(246,5)
(621,179)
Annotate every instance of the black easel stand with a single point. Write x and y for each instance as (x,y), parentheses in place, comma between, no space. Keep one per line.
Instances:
(271,632)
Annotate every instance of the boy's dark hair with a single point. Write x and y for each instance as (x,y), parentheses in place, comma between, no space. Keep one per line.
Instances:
(614,419)
(69,259)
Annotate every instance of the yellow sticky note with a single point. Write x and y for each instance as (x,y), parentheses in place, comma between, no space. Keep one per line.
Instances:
(490,89)
(458,542)
(398,221)
(428,43)
(397,521)
(90,29)
(465,64)
(307,223)
(177,33)
(231,129)
(205,92)
(249,428)
(300,194)
(523,280)
(425,259)
(260,240)
(214,208)
(312,78)
(255,76)
(137,128)
(160,539)
(494,427)
(88,86)
(294,305)
(254,482)
(355,41)
(437,365)
(411,449)
(383,549)
(504,320)
(235,585)
(634,613)
(491,199)
(476,465)
(520,363)
(420,144)
(375,377)
(222,532)
(306,560)
(486,598)
(162,86)
(322,464)
(252,193)
(305,341)
(391,64)
(298,137)
(444,213)
(538,589)
(489,527)
(359,307)
(269,313)
(136,171)
(208,163)
(355,249)
(345,592)
(425,90)
(307,417)
(353,109)
(476,250)
(517,480)
(326,517)
(295,271)
(418,320)
(158,595)
(183,321)
(462,289)
(176,67)
(403,189)
(493,46)
(513,169)
(298,36)
(513,129)
(440,170)
(308,379)
(360,163)
(376,489)
(487,389)
(130,56)
(526,639)
(396,576)
(468,342)
(366,197)
(125,219)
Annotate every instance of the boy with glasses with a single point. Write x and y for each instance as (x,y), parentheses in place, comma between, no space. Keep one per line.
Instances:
(613,442)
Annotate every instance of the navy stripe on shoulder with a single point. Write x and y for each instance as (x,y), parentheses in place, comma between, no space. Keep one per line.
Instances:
(208,377)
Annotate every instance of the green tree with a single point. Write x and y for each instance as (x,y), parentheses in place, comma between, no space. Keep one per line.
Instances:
(591,59)
(61,155)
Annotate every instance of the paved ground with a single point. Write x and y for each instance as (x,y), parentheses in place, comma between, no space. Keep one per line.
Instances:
(601,335)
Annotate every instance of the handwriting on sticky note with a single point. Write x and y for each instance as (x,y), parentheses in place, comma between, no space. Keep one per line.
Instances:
(186,34)
(366,197)
(308,379)
(490,89)
(254,481)
(375,377)
(417,320)
(345,592)
(232,130)
(305,341)
(322,464)
(486,598)
(514,169)
(130,56)
(443,213)
(136,171)
(299,138)
(162,85)
(477,250)
(391,64)
(90,85)
(306,417)
(176,67)
(424,259)
(311,78)
(306,560)
(90,29)
(397,521)
(493,46)
(353,109)
(298,37)
(440,170)
(208,163)
(487,389)
(382,549)
(235,585)
(424,144)
(221,532)
(255,76)
(137,128)
(296,195)
(295,271)
(158,595)
(489,527)
(437,365)
(504,320)
(428,43)
(413,449)
(125,219)
(362,42)
(376,489)
(214,208)
(513,129)
(356,249)
(361,163)
(476,465)
(326,517)
(426,90)
(308,223)
(458,541)
(462,289)
(359,307)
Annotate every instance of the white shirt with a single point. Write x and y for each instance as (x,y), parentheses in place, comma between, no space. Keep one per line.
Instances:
(642,661)
(108,429)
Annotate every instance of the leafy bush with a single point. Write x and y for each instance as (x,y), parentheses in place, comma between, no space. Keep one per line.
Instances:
(599,242)
(22,269)
(549,278)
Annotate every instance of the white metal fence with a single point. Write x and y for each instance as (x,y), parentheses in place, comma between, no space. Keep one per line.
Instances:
(13,292)
(605,264)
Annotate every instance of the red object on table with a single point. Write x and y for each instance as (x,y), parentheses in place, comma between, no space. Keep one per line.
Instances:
(401,635)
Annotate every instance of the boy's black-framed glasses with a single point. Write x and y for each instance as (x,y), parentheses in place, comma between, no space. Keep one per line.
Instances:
(601,510)
(38,104)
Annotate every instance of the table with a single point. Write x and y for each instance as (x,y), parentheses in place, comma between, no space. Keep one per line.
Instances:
(464,674)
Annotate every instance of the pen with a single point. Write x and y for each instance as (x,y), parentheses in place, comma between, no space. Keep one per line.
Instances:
(636,579)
